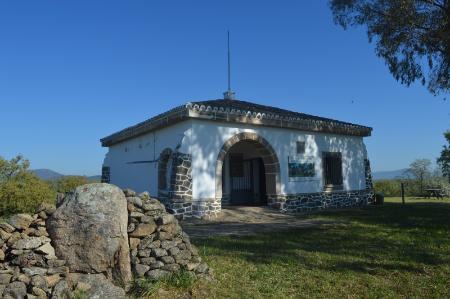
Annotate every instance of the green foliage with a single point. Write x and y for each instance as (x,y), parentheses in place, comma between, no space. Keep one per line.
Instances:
(21,190)
(387,187)
(391,188)
(68,183)
(13,167)
(412,36)
(444,160)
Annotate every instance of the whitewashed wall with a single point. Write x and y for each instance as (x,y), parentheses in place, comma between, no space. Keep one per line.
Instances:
(207,138)
(204,139)
(144,177)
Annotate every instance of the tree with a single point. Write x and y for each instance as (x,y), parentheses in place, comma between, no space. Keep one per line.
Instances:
(68,183)
(444,160)
(14,167)
(412,36)
(21,190)
(420,169)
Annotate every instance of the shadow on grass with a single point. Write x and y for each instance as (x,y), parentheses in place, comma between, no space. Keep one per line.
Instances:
(372,239)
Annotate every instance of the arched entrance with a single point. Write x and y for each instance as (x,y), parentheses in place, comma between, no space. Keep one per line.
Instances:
(247,171)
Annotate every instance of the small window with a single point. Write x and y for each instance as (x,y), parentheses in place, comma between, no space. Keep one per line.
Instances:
(300,147)
(106,174)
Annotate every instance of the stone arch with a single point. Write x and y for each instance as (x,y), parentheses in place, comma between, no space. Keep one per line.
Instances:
(267,153)
(164,172)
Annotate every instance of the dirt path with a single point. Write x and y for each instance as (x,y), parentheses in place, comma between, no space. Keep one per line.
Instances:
(246,221)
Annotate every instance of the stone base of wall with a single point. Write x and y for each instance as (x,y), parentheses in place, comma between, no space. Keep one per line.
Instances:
(291,203)
(196,208)
(305,202)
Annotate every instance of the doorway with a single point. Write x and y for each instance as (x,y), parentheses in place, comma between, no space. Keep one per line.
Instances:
(247,181)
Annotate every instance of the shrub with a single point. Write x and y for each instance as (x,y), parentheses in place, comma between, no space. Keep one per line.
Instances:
(387,187)
(412,187)
(68,183)
(21,190)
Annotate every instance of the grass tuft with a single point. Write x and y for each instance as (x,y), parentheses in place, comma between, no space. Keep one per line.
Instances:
(79,294)
(180,280)
(144,287)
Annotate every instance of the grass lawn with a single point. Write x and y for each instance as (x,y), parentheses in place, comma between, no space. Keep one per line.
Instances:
(390,251)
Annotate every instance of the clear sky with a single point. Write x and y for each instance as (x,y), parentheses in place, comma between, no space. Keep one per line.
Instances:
(72,72)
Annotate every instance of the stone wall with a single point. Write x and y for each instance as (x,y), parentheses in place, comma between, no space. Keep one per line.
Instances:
(290,203)
(30,267)
(368,174)
(158,246)
(178,198)
(196,208)
(181,179)
(306,202)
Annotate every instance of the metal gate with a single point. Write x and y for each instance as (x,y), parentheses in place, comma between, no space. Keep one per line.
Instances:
(241,179)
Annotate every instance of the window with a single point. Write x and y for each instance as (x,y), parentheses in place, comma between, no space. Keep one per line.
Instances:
(106,173)
(300,147)
(332,168)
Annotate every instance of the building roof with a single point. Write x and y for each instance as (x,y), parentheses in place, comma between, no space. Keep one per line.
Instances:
(237,111)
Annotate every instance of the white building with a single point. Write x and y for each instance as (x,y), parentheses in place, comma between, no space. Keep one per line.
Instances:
(202,155)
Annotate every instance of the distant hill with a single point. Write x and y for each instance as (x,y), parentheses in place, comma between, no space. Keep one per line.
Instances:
(388,175)
(50,175)
(96,178)
(47,174)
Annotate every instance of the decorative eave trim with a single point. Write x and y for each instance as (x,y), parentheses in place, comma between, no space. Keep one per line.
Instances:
(225,114)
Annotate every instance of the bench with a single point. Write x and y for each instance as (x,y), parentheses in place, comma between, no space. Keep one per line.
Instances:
(434,192)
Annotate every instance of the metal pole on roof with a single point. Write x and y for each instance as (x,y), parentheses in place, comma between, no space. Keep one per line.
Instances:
(229,63)
(229,94)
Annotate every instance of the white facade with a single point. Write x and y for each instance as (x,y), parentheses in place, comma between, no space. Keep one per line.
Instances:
(133,162)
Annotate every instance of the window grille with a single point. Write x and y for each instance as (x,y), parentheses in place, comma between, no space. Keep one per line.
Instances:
(332,167)
(106,174)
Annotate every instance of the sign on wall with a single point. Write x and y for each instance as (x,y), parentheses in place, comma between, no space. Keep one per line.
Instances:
(301,169)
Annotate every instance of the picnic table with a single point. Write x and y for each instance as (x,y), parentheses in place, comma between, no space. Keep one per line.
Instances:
(434,192)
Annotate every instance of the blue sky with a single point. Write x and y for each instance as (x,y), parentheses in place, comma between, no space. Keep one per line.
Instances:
(72,72)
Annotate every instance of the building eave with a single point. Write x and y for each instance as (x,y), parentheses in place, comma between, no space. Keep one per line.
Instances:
(225,114)
(158,122)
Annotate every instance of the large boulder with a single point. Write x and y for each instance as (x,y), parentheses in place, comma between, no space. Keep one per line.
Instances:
(89,231)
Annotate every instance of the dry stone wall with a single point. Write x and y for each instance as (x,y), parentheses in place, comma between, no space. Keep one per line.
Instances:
(30,267)
(158,246)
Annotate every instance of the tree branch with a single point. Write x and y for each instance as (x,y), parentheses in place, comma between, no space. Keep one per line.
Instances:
(434,3)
